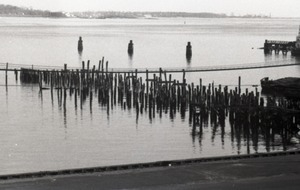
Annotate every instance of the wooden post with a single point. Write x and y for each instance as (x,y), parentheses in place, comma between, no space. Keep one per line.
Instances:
(6,74)
(189,50)
(170,79)
(40,80)
(183,75)
(102,63)
(106,67)
(147,82)
(130,48)
(213,88)
(80,45)
(136,79)
(65,75)
(160,72)
(88,74)
(99,66)
(82,71)
(239,87)
(200,86)
(16,75)
(93,75)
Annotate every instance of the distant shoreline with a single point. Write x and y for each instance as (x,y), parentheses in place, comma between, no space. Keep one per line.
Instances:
(153,18)
(14,11)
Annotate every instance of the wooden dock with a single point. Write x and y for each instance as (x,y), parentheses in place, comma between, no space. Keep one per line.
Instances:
(277,46)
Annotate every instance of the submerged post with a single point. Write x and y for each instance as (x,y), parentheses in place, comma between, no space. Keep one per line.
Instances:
(80,45)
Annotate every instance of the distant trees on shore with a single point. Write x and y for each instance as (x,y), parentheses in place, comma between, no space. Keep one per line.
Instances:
(9,10)
(14,11)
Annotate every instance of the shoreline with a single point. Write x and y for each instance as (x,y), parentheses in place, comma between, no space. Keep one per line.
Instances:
(156,164)
(276,172)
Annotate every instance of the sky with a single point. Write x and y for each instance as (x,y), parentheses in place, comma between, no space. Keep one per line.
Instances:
(277,8)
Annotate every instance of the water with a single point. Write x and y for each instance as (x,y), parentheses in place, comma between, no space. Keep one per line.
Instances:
(38,133)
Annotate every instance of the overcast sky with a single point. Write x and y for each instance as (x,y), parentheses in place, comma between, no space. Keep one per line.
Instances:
(277,8)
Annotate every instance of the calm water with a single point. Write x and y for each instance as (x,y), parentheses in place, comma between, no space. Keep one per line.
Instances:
(39,134)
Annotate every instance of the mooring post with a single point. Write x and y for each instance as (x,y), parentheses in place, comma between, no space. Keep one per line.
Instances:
(80,45)
(130,48)
(189,50)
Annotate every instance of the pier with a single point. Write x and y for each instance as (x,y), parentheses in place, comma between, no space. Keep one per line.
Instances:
(277,46)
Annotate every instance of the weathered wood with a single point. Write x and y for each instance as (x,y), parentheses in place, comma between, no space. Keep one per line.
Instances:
(244,109)
(239,85)
(6,70)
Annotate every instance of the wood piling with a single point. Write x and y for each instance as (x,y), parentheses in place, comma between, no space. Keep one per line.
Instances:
(246,111)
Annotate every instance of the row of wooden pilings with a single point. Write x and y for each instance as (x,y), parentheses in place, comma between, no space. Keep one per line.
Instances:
(188,52)
(160,93)
(130,49)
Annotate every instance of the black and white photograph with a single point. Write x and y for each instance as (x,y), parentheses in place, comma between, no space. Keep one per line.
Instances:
(149,94)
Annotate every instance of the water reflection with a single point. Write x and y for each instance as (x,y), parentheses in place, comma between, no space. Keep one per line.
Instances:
(245,128)
(189,61)
(65,108)
(79,58)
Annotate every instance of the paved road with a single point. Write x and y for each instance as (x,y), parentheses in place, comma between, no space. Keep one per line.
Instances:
(282,172)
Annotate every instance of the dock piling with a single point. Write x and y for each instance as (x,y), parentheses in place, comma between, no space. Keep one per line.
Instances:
(188,51)
(130,48)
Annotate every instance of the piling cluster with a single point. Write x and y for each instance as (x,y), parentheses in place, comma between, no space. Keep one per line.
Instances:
(160,93)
